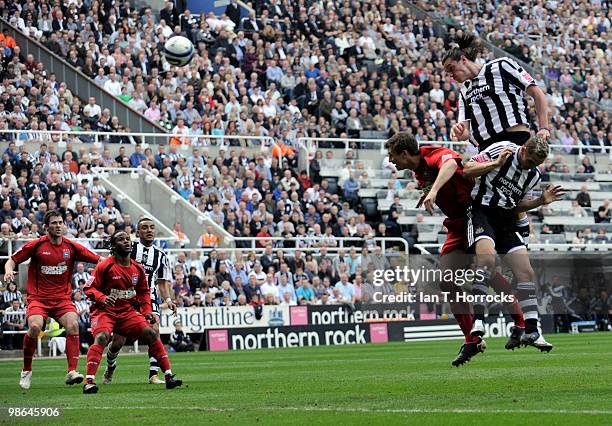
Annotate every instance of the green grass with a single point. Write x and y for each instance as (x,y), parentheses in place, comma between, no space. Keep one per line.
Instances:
(398,383)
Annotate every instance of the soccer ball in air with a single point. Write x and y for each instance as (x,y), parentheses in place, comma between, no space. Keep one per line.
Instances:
(178,51)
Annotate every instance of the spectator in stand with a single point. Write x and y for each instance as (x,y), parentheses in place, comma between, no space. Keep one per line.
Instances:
(209,239)
(179,341)
(13,321)
(583,198)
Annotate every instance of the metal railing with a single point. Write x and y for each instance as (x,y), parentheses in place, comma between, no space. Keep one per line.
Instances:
(386,242)
(424,248)
(61,137)
(310,145)
(12,241)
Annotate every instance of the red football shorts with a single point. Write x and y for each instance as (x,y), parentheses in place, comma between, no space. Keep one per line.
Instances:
(455,238)
(129,323)
(49,308)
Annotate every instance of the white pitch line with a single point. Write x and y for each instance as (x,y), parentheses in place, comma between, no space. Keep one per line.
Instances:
(363,410)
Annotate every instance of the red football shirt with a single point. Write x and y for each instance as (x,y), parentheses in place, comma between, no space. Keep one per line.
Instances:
(50,270)
(128,283)
(454,196)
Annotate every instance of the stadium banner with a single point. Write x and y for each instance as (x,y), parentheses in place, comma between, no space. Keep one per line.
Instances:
(290,337)
(198,319)
(344,333)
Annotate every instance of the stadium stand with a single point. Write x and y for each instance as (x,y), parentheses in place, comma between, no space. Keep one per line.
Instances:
(366,72)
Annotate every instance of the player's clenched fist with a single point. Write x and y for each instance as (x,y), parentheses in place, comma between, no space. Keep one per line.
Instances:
(460,132)
(150,318)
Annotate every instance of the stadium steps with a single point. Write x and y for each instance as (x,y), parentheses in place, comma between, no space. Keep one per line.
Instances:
(167,206)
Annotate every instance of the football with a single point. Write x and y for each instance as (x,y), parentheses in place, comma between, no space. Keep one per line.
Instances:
(178,51)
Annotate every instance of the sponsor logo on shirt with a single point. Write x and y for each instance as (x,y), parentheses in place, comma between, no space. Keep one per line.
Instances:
(60,269)
(123,294)
(476,93)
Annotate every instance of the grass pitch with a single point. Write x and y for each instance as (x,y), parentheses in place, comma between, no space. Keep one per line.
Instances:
(397,383)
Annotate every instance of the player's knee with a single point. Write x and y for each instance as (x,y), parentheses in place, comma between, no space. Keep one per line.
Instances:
(117,343)
(148,335)
(72,327)
(102,338)
(526,274)
(34,330)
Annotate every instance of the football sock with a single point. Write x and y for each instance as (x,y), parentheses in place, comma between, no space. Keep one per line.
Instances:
(531,325)
(502,285)
(465,322)
(94,355)
(111,358)
(29,347)
(72,351)
(529,303)
(481,288)
(159,352)
(153,364)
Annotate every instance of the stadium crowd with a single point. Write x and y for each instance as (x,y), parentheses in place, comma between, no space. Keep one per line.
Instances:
(294,70)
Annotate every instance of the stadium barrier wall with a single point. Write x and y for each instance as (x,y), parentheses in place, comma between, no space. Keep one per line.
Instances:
(236,328)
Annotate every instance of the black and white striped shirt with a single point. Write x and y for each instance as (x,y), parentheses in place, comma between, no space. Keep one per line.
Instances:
(506,186)
(9,296)
(494,100)
(77,276)
(155,263)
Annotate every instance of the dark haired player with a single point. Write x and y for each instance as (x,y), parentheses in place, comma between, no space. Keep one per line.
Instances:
(439,172)
(159,276)
(493,108)
(116,285)
(52,258)
(492,105)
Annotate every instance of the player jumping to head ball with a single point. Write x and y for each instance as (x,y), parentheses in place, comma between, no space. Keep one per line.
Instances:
(439,172)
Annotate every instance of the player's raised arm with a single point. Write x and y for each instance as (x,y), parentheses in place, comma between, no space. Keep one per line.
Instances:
(484,162)
(549,194)
(20,256)
(83,254)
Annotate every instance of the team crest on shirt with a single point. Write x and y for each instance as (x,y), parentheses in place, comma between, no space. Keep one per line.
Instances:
(134,279)
(66,254)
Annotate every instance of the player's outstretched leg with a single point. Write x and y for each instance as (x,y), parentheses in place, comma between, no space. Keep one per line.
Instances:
(112,353)
(94,356)
(70,321)
(526,289)
(30,339)
(502,285)
(473,345)
(148,336)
